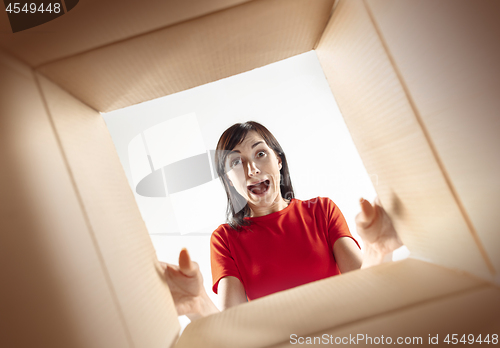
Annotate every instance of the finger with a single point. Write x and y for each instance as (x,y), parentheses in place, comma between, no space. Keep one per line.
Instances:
(187,267)
(367,212)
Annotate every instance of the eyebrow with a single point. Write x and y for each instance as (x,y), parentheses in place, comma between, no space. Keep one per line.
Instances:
(254,145)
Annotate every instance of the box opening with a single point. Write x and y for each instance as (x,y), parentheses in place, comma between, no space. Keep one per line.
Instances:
(167,145)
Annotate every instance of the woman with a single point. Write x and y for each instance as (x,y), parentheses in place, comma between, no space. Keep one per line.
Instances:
(272,241)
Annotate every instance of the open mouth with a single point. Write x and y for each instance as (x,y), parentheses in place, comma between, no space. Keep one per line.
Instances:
(260,188)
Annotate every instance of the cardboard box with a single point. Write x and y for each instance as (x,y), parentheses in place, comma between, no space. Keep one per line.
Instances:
(417,83)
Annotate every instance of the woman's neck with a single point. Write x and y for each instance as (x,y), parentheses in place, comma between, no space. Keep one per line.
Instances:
(280,204)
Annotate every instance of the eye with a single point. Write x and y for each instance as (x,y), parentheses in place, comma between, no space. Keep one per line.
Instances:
(235,162)
(261,153)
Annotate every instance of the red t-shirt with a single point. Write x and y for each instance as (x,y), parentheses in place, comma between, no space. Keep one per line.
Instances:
(288,248)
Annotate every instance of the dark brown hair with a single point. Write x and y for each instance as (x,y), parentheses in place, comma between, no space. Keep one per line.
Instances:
(237,207)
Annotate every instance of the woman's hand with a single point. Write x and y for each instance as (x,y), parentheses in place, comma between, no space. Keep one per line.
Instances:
(186,286)
(375,228)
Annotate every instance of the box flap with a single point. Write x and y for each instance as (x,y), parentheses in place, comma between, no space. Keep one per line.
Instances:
(96,23)
(191,53)
(124,246)
(468,316)
(325,304)
(54,290)
(455,87)
(394,144)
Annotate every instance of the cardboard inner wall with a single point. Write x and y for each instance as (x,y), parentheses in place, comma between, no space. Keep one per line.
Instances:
(80,269)
(53,280)
(433,156)
(386,292)
(474,311)
(455,96)
(191,53)
(122,241)
(97,23)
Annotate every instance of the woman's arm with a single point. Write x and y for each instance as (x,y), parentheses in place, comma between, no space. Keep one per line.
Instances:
(231,292)
(379,237)
(347,254)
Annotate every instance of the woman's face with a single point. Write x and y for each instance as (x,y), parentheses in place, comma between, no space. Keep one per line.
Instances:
(253,169)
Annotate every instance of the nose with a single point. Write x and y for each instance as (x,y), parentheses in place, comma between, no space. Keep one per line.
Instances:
(252,169)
